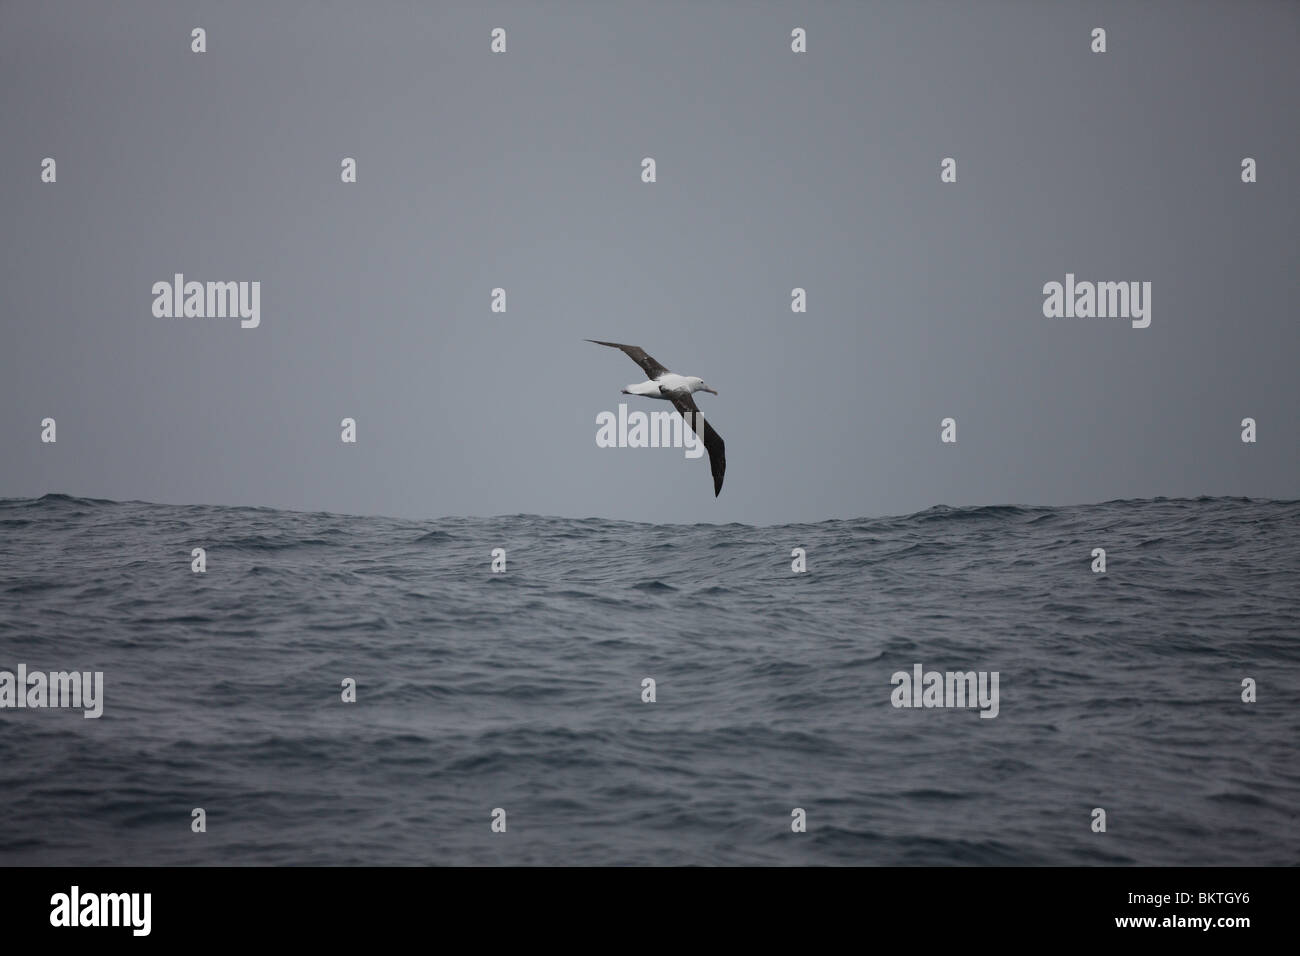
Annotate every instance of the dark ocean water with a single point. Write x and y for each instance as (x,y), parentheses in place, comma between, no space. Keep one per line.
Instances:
(523,690)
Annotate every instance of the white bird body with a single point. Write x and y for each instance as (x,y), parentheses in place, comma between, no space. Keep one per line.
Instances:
(667,385)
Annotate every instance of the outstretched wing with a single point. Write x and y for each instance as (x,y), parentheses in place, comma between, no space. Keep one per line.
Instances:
(713,443)
(637,354)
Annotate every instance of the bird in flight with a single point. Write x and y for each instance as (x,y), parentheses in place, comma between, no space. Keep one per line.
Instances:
(678,389)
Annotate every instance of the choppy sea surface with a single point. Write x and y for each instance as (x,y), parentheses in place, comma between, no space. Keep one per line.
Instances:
(523,690)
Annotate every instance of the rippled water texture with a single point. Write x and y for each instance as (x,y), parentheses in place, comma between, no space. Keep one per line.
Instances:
(523,690)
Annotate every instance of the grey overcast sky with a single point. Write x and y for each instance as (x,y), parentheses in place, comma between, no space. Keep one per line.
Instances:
(775,170)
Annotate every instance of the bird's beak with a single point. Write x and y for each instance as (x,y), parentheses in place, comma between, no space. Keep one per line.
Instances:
(712,391)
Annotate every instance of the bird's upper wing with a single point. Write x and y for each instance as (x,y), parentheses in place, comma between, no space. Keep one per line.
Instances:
(713,443)
(637,354)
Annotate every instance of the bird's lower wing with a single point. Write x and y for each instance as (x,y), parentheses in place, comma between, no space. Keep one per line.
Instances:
(713,443)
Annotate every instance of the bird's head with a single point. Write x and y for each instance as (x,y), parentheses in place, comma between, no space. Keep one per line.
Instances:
(697,385)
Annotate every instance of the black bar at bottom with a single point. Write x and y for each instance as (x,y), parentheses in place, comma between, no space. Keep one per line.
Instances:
(658,907)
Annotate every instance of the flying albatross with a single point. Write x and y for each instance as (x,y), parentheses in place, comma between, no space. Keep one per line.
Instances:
(678,389)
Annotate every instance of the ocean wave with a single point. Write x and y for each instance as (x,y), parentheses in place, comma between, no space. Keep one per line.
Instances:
(771,689)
